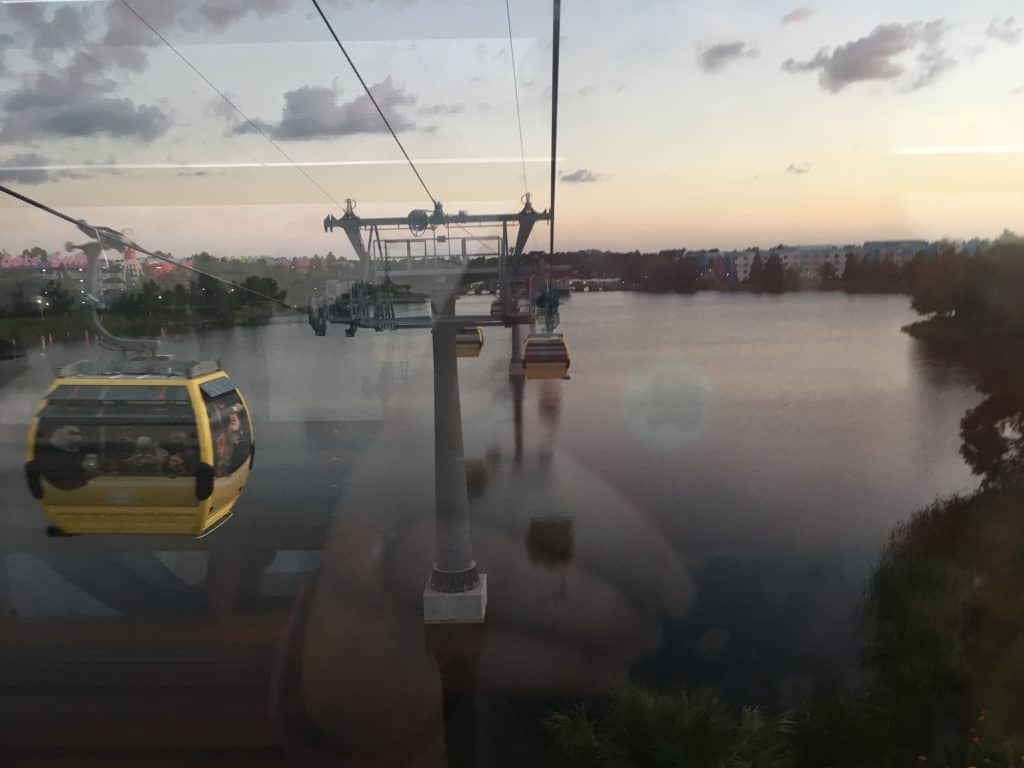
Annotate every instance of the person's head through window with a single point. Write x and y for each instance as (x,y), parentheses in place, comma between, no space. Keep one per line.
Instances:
(144,457)
(178,454)
(67,438)
(235,430)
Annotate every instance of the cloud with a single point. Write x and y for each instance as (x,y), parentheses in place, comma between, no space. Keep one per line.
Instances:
(220,108)
(5,42)
(1017,91)
(934,62)
(443,109)
(24,169)
(718,56)
(314,112)
(73,103)
(797,15)
(581,176)
(65,29)
(587,90)
(1005,30)
(873,57)
(221,14)
(125,40)
(798,169)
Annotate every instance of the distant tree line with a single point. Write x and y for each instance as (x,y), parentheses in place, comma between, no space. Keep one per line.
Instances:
(678,271)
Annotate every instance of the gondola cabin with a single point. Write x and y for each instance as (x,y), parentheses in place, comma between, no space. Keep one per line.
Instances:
(469,342)
(156,446)
(546,357)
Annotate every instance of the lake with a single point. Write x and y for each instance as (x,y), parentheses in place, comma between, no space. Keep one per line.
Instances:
(727,469)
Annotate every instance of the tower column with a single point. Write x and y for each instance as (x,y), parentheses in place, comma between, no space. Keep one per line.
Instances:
(456,591)
(515,367)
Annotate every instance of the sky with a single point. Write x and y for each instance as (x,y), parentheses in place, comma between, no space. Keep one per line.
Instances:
(681,123)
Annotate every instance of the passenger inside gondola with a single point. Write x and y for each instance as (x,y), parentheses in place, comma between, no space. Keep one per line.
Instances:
(147,457)
(181,454)
(61,456)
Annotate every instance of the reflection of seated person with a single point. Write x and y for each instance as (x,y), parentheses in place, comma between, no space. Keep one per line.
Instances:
(61,459)
(147,459)
(181,457)
(236,436)
(231,444)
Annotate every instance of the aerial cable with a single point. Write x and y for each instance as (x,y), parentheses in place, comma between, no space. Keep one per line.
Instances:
(373,100)
(554,120)
(119,240)
(515,84)
(252,123)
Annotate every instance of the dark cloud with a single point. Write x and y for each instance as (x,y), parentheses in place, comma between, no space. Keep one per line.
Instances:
(72,103)
(718,56)
(314,112)
(796,15)
(25,169)
(5,44)
(798,169)
(65,29)
(581,176)
(1005,30)
(443,109)
(873,57)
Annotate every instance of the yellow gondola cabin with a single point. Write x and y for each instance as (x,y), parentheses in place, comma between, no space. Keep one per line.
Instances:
(546,357)
(469,341)
(139,446)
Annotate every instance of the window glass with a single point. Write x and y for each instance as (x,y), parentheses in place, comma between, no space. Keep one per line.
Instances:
(229,429)
(71,451)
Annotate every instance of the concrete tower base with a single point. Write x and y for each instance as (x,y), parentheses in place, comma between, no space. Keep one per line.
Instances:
(469,607)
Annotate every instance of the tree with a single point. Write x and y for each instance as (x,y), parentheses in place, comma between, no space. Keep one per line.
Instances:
(20,305)
(756,277)
(827,272)
(642,728)
(939,283)
(58,298)
(850,272)
(686,274)
(267,286)
(37,253)
(993,436)
(774,276)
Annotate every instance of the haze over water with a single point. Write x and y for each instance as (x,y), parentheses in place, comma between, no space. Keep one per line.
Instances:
(730,466)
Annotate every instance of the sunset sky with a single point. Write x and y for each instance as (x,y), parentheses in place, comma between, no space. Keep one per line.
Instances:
(682,123)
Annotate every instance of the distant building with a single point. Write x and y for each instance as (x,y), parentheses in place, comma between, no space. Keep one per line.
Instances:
(805,260)
(741,262)
(897,251)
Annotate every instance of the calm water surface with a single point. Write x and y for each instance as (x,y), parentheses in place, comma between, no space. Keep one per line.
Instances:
(728,468)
